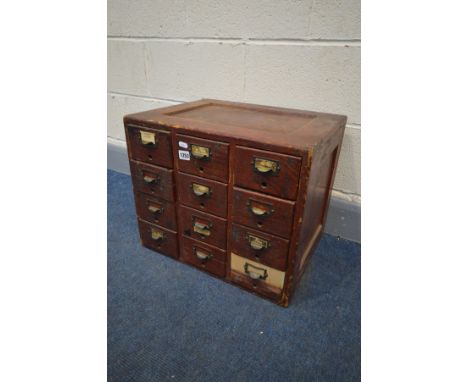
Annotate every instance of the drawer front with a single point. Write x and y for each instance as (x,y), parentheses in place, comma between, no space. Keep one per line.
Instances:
(257,277)
(268,172)
(204,227)
(156,210)
(153,180)
(260,246)
(158,238)
(203,256)
(208,159)
(150,145)
(203,194)
(265,213)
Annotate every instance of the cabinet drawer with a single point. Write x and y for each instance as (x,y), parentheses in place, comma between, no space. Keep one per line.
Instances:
(266,213)
(259,246)
(268,172)
(156,210)
(257,277)
(150,145)
(158,238)
(203,256)
(153,180)
(208,159)
(203,194)
(204,227)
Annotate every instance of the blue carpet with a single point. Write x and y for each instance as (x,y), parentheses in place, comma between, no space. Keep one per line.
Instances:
(170,322)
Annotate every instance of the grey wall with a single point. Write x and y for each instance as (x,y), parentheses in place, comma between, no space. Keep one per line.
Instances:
(296,53)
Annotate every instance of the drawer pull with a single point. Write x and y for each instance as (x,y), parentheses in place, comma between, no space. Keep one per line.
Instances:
(149,179)
(200,190)
(156,234)
(200,152)
(202,255)
(266,166)
(254,272)
(147,138)
(202,228)
(259,209)
(257,243)
(155,208)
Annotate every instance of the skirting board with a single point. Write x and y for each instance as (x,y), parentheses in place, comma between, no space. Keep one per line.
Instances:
(344,217)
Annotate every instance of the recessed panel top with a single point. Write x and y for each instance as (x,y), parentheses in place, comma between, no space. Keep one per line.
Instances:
(242,117)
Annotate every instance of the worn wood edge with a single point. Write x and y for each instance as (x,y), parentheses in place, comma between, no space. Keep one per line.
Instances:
(308,250)
(344,217)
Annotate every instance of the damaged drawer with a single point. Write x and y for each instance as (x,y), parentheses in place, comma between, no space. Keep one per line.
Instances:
(257,277)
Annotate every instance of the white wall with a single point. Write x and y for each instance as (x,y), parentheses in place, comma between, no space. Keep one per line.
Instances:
(293,53)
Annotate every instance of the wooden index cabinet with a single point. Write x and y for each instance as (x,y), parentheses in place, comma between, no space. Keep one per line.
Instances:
(239,191)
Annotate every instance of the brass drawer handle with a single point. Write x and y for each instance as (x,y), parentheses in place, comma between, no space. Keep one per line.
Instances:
(147,138)
(149,179)
(202,228)
(155,209)
(200,190)
(266,166)
(257,243)
(259,209)
(157,234)
(202,255)
(254,272)
(200,152)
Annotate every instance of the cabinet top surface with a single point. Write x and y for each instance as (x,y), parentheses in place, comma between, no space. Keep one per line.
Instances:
(295,128)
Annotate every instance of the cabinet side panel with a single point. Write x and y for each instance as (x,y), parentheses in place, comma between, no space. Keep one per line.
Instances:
(319,189)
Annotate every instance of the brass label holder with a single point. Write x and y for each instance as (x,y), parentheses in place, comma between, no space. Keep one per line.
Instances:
(257,243)
(201,227)
(254,272)
(202,255)
(259,209)
(200,190)
(147,137)
(155,208)
(200,152)
(156,234)
(150,179)
(265,166)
